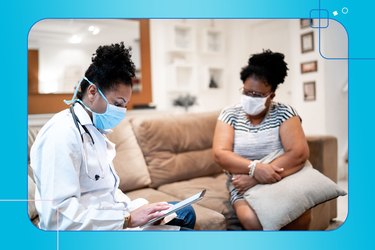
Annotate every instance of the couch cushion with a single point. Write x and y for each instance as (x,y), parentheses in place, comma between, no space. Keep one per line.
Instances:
(129,162)
(206,219)
(151,195)
(177,147)
(216,196)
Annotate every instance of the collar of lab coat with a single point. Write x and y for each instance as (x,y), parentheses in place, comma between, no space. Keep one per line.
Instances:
(82,115)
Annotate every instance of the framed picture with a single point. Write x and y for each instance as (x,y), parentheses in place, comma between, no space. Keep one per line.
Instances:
(215,77)
(213,41)
(309,93)
(307,67)
(307,42)
(182,37)
(306,22)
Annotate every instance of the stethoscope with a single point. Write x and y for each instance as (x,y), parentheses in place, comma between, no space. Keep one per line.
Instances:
(87,132)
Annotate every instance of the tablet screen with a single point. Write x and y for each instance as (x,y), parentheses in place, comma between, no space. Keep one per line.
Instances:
(178,206)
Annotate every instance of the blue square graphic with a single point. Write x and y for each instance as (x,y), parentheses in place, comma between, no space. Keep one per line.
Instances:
(322,17)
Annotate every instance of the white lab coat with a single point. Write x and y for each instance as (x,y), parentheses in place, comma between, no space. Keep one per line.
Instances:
(66,198)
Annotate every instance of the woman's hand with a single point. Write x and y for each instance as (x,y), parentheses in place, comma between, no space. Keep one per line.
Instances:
(267,173)
(243,182)
(143,214)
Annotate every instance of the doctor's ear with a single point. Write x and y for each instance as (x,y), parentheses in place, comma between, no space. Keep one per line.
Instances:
(91,92)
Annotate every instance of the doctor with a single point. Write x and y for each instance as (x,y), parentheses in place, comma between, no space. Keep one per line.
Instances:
(71,157)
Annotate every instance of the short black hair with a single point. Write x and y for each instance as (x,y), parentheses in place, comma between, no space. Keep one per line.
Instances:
(111,65)
(268,66)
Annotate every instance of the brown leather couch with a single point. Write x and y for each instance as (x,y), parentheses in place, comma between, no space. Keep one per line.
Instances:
(168,157)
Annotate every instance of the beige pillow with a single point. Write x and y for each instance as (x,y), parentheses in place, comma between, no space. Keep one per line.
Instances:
(129,162)
(278,204)
(177,147)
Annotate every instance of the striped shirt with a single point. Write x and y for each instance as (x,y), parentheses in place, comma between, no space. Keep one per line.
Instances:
(251,141)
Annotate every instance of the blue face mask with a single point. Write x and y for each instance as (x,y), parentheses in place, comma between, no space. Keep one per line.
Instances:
(107,120)
(110,118)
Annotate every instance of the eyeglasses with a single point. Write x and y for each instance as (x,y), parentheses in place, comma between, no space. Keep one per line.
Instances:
(251,93)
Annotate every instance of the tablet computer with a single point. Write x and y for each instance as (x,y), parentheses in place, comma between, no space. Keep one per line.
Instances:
(178,206)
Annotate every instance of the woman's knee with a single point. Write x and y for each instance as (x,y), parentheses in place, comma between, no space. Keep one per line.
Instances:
(247,216)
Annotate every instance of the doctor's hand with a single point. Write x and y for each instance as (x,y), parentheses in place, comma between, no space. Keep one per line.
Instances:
(143,214)
(267,173)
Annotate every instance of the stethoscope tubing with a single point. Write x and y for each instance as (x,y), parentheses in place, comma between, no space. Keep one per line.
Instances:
(76,122)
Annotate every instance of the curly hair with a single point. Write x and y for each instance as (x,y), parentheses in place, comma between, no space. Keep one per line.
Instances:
(111,65)
(268,66)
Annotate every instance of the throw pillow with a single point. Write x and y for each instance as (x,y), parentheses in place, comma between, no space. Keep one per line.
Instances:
(278,204)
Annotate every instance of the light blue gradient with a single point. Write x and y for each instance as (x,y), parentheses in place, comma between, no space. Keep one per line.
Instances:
(19,16)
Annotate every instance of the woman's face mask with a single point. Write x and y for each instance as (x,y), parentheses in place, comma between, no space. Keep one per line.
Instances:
(112,116)
(253,105)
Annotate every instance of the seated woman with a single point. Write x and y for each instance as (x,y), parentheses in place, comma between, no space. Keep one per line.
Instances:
(258,126)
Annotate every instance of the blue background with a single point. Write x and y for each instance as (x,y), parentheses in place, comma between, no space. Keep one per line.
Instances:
(17,17)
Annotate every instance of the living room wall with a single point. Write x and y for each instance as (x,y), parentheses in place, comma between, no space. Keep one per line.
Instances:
(326,115)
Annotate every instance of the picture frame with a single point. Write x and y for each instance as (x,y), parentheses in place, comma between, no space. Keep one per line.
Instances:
(306,22)
(214,77)
(213,41)
(307,67)
(309,91)
(307,42)
(182,37)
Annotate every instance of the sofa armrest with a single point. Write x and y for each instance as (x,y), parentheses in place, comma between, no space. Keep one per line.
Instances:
(323,155)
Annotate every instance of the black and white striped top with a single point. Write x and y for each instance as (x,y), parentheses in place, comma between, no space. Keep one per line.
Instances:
(256,141)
